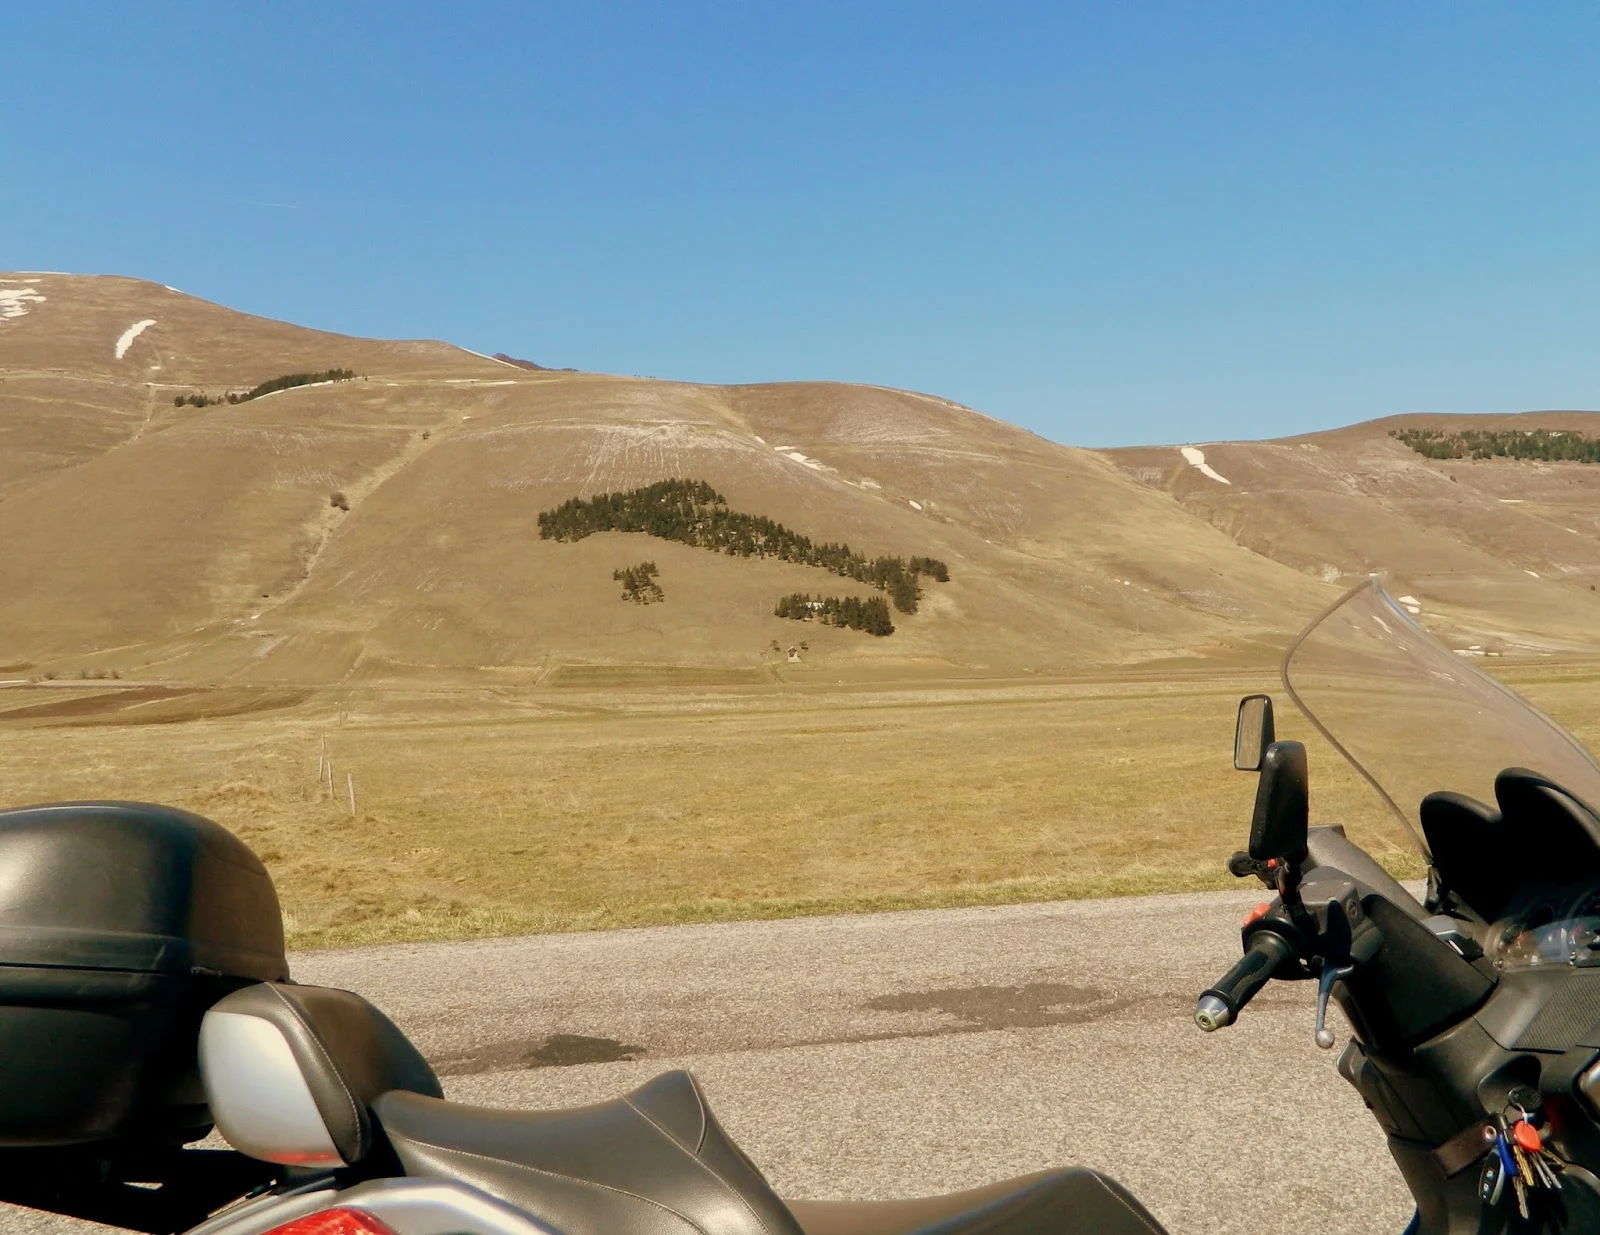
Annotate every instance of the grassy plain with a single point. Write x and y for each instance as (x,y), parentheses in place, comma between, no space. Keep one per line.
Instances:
(564,808)
(558,808)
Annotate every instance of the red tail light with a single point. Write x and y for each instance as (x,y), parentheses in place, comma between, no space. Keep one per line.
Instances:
(333,1222)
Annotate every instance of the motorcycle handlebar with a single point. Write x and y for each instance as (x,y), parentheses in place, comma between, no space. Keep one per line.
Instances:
(1221,1004)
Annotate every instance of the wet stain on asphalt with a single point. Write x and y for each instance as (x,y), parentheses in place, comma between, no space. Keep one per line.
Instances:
(964,1009)
(1033,1006)
(558,1050)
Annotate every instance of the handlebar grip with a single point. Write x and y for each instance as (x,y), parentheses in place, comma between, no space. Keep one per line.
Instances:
(1219,1005)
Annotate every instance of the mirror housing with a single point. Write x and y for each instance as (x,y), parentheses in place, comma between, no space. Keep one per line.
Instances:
(1281,824)
(1253,732)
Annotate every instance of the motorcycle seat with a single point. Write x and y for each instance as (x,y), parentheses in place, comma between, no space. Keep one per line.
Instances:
(1047,1203)
(318,1078)
(655,1162)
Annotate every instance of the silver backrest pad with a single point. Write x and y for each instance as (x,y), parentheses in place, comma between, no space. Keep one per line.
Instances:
(258,1096)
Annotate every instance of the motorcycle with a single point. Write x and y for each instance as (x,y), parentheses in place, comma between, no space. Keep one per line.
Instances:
(145,999)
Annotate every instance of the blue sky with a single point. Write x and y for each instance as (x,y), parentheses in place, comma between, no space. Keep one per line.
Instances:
(1110,223)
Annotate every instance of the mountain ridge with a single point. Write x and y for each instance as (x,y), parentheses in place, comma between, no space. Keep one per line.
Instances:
(207,544)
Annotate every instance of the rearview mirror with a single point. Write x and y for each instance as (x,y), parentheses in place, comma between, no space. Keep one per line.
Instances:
(1281,824)
(1253,732)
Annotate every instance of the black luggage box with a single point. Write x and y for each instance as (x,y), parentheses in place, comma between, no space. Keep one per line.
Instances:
(120,924)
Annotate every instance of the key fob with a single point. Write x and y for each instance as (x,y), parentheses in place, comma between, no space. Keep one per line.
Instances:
(1492,1183)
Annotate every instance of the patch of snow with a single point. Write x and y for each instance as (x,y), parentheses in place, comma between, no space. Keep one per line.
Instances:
(1197,460)
(870,484)
(1408,600)
(816,465)
(759,438)
(1513,501)
(914,505)
(254,616)
(1534,573)
(481,356)
(1469,651)
(33,280)
(132,333)
(16,301)
(170,288)
(1330,574)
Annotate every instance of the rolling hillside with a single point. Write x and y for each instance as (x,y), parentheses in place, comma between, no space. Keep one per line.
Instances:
(385,528)
(1502,551)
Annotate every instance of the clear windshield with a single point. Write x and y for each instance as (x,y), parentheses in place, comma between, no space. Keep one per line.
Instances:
(1414,717)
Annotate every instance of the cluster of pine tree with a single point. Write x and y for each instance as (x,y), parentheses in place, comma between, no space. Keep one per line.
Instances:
(870,615)
(639,583)
(693,513)
(287,382)
(1550,445)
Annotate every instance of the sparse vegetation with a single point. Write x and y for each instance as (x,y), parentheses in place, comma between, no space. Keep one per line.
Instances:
(1547,445)
(844,799)
(287,382)
(870,614)
(338,501)
(691,512)
(290,380)
(639,583)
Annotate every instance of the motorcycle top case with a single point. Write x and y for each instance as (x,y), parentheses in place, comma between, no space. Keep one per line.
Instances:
(120,924)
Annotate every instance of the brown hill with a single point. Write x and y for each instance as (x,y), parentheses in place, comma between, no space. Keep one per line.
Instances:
(1505,551)
(201,544)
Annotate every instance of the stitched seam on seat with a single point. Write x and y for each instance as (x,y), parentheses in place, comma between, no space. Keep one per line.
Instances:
(539,1170)
(355,1111)
(1095,1175)
(698,1161)
(705,1116)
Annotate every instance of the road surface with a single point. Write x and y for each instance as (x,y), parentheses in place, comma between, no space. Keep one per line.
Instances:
(921,1052)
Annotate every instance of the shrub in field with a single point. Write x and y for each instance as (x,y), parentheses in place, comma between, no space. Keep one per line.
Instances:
(639,583)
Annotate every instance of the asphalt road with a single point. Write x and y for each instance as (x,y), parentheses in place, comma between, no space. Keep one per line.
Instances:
(913,1053)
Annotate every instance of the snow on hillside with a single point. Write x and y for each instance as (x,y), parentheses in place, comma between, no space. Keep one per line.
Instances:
(1197,460)
(16,301)
(130,334)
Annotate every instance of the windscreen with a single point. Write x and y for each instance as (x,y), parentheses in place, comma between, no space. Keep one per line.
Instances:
(1414,717)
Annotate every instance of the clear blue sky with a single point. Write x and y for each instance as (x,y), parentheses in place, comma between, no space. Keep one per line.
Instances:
(1110,223)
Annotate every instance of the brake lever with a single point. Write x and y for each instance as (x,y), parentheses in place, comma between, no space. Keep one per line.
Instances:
(1322,1035)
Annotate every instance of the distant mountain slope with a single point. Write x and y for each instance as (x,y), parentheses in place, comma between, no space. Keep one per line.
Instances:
(204,544)
(1505,549)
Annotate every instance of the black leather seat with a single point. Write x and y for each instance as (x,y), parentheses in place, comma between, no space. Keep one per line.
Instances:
(315,1077)
(1060,1202)
(657,1163)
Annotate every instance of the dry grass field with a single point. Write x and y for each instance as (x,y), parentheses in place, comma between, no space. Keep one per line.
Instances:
(585,806)
(197,601)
